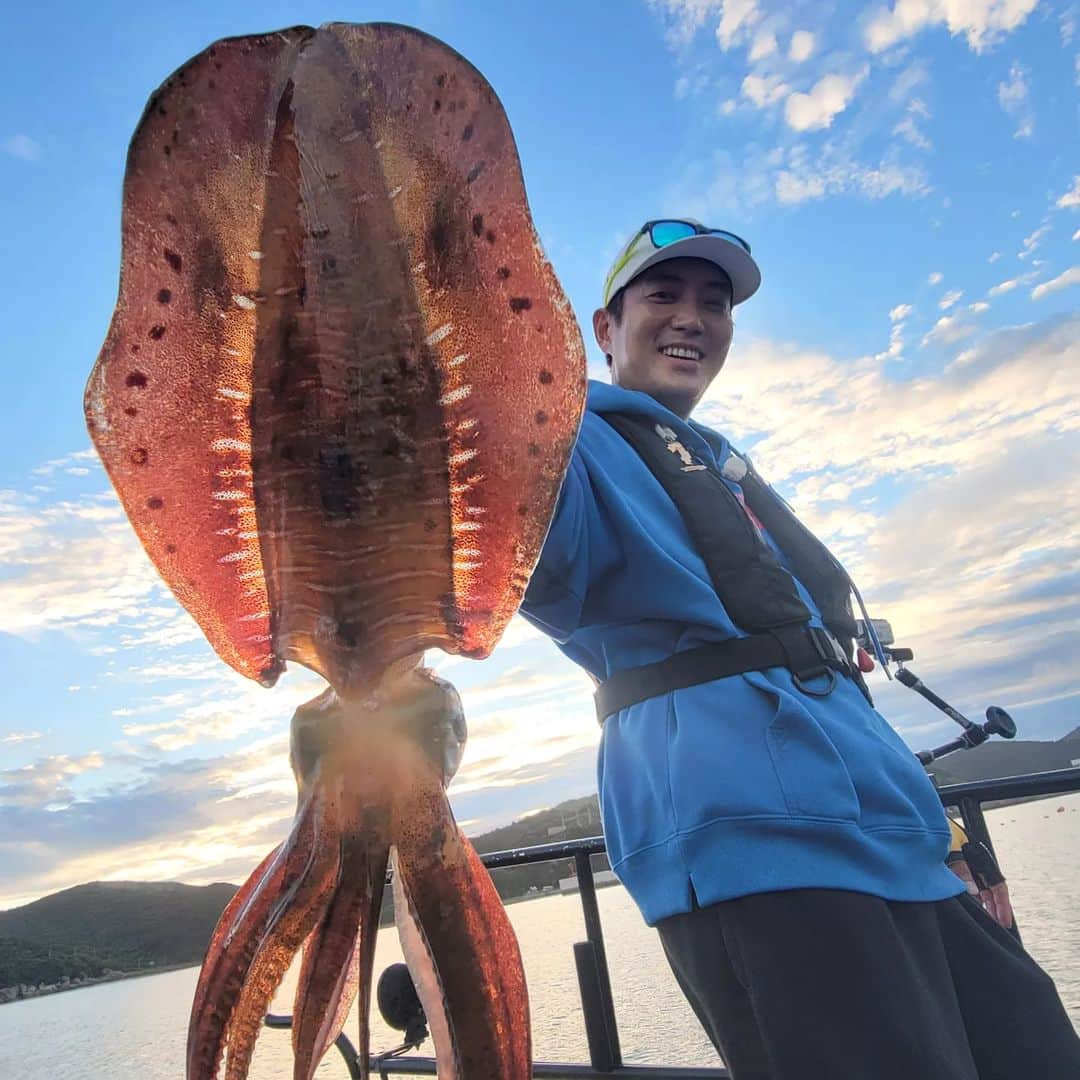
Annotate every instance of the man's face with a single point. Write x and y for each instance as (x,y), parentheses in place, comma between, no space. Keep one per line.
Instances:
(674,334)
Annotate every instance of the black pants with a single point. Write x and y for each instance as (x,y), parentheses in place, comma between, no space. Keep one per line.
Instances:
(819,984)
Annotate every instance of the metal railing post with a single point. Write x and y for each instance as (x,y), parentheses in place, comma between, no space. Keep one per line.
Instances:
(595,934)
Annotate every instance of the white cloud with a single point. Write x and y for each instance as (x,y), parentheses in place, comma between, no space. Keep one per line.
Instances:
(21,146)
(908,129)
(685,17)
(1009,405)
(803,180)
(1068,25)
(764,90)
(935,278)
(738,17)
(15,737)
(1031,242)
(1013,98)
(978,307)
(829,97)
(728,106)
(914,75)
(46,783)
(947,330)
(897,315)
(792,189)
(45,588)
(1072,196)
(1076,235)
(1007,286)
(801,47)
(76,459)
(994,256)
(204,813)
(950,299)
(764,45)
(982,22)
(1062,281)
(691,84)
(1021,383)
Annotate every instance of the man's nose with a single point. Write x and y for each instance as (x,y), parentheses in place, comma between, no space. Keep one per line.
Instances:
(687,316)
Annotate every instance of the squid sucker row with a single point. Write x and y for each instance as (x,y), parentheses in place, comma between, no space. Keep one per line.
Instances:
(337,400)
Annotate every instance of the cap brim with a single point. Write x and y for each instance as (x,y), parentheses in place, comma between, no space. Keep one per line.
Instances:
(735,261)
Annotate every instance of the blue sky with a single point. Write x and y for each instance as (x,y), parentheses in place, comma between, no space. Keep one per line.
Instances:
(908,177)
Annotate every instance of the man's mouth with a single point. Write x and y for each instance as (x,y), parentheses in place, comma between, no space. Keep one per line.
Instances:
(683,352)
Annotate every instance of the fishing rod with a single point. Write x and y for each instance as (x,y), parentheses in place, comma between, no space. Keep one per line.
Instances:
(877,633)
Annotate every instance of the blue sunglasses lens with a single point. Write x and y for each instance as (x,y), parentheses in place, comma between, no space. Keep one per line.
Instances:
(663,233)
(732,237)
(668,232)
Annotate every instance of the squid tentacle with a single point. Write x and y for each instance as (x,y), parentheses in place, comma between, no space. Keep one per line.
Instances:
(425,976)
(470,944)
(233,947)
(340,955)
(234,909)
(296,913)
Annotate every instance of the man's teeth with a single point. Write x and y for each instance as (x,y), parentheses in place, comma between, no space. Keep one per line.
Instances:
(682,353)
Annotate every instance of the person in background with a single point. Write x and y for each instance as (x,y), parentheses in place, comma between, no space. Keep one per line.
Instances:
(780,836)
(973,864)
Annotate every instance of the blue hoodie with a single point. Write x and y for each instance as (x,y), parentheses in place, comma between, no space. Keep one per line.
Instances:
(737,786)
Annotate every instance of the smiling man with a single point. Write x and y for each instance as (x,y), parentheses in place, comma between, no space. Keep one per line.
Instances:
(670,330)
(765,818)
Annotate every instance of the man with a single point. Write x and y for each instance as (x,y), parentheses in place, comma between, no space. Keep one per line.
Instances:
(778,833)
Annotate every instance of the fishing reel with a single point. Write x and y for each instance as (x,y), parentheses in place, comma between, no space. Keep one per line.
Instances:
(876,636)
(399,1005)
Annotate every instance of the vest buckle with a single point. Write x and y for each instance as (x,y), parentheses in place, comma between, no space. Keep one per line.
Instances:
(812,691)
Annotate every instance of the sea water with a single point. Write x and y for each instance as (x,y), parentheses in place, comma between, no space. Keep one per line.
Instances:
(137,1028)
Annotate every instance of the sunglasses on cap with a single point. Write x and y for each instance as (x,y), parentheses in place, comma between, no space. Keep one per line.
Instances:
(669,231)
(666,231)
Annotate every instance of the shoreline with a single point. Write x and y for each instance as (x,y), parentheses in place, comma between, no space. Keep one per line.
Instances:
(113,976)
(118,976)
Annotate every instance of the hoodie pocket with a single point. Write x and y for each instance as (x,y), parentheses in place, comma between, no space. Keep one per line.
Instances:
(812,774)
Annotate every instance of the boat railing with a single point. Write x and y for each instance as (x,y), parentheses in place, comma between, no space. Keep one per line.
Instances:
(590,956)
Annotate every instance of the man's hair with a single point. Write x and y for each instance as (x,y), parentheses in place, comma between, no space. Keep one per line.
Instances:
(615,305)
(615,311)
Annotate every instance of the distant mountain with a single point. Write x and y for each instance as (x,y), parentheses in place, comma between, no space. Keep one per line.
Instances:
(997,758)
(108,925)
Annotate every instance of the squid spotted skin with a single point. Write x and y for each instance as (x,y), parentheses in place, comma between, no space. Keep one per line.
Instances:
(337,399)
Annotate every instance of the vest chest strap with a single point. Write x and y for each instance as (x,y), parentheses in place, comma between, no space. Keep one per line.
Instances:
(807,652)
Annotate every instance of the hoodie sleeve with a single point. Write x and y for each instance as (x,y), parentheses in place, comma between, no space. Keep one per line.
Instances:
(556,594)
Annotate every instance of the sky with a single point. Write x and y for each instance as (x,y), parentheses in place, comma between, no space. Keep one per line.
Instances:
(908,175)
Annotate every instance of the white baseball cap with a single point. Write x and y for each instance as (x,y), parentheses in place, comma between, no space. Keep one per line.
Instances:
(684,238)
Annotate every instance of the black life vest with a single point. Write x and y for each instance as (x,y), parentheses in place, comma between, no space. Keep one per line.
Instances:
(757,592)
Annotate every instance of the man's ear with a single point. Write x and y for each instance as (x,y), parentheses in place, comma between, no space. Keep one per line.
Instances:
(601,324)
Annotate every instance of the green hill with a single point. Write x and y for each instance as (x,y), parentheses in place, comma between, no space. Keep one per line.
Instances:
(108,925)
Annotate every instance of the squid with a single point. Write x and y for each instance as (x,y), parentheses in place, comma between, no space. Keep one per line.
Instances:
(337,400)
